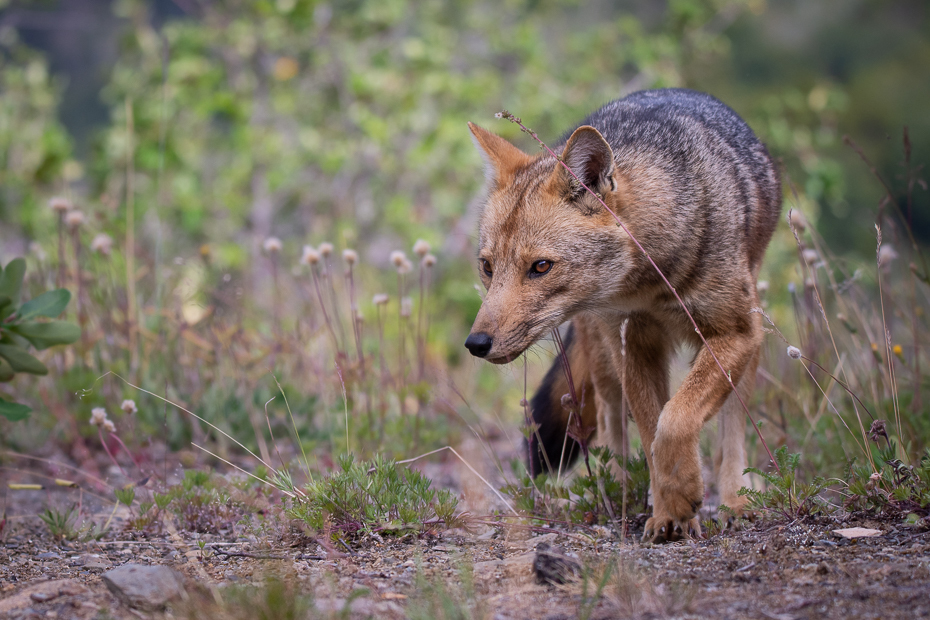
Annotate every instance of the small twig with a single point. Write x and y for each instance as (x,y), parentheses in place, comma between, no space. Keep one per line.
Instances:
(243,554)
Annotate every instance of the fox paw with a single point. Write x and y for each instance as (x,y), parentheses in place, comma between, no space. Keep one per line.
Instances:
(663,528)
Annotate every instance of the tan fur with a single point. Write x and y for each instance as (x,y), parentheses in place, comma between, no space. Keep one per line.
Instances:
(706,227)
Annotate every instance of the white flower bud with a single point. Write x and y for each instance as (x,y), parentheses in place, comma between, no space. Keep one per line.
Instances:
(74,219)
(762,286)
(380,299)
(797,220)
(310,256)
(98,415)
(350,256)
(108,426)
(429,260)
(886,254)
(810,256)
(326,249)
(272,245)
(129,406)
(398,258)
(59,204)
(421,248)
(102,244)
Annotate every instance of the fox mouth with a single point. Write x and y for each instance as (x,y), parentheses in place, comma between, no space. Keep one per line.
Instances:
(504,359)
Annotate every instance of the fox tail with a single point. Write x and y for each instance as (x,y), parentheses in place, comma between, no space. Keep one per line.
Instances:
(550,447)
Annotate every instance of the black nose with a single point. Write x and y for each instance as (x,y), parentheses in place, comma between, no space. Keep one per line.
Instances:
(479,344)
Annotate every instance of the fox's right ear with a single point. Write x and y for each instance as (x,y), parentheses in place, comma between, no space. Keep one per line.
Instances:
(501,158)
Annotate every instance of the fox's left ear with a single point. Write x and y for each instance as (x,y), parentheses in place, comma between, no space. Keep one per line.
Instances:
(591,159)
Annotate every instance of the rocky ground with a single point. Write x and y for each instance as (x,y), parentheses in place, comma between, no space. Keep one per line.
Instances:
(780,570)
(789,570)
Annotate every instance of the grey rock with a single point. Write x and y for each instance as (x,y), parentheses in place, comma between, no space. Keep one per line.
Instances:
(145,587)
(553,565)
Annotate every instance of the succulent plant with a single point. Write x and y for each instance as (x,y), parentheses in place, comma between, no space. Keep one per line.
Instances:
(20,329)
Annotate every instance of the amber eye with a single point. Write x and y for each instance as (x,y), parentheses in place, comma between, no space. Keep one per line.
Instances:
(485,267)
(540,267)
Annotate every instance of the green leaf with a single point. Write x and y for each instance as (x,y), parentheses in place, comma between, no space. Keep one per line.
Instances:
(49,304)
(45,335)
(11,280)
(6,371)
(6,307)
(14,412)
(22,361)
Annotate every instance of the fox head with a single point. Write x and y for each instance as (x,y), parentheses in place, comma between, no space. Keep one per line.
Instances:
(547,249)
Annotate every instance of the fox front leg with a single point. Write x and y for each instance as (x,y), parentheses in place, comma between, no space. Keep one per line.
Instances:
(676,457)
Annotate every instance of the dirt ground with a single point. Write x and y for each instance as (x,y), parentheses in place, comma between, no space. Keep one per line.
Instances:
(769,570)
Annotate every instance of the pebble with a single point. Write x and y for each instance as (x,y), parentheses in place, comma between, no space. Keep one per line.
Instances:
(145,587)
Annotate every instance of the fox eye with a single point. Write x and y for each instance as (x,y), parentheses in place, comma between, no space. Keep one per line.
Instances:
(540,267)
(485,267)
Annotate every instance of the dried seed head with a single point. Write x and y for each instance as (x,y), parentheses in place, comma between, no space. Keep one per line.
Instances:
(98,415)
(794,353)
(350,256)
(326,249)
(73,219)
(398,258)
(429,261)
(878,430)
(886,254)
(102,244)
(421,248)
(405,267)
(567,401)
(60,205)
(810,256)
(272,245)
(108,426)
(523,402)
(406,307)
(310,256)
(380,299)
(797,220)
(129,406)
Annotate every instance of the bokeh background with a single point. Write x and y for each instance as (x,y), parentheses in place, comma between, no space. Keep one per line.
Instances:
(212,126)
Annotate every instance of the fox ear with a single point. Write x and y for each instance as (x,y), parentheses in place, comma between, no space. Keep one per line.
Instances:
(501,158)
(591,159)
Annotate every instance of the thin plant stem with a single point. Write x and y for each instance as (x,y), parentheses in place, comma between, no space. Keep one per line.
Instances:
(131,240)
(889,355)
(357,333)
(514,119)
(329,324)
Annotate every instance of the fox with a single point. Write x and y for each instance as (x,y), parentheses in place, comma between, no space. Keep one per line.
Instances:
(700,192)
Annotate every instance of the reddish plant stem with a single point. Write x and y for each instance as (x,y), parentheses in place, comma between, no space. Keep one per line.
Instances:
(697,329)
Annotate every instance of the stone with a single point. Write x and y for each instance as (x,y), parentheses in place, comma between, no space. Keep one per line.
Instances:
(552,565)
(149,588)
(857,532)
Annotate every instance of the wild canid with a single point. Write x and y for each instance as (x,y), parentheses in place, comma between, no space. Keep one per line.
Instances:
(695,186)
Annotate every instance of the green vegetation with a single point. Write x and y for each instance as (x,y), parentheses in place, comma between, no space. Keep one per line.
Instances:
(19,330)
(371,496)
